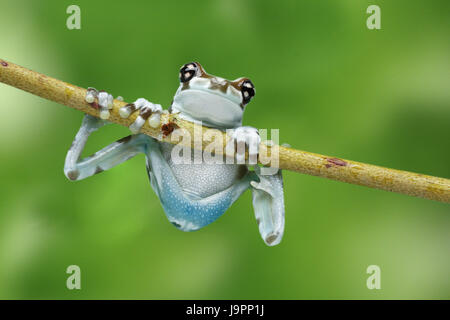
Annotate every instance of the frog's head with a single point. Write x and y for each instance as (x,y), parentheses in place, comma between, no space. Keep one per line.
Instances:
(215,101)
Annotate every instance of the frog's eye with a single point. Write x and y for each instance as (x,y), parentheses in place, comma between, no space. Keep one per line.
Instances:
(188,71)
(248,91)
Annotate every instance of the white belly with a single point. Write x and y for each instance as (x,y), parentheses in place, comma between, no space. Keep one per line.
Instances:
(203,180)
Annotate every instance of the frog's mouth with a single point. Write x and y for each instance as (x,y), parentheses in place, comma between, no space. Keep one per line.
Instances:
(208,106)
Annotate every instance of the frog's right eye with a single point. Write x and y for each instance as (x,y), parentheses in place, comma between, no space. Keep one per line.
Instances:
(188,71)
(248,91)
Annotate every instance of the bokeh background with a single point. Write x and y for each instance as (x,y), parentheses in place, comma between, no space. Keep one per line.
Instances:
(327,82)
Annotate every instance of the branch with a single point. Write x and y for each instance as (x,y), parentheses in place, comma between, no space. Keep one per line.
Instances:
(409,183)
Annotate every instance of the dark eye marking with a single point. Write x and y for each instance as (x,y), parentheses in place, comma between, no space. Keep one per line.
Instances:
(247,90)
(188,71)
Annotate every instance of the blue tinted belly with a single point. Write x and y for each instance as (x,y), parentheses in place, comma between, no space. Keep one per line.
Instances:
(203,180)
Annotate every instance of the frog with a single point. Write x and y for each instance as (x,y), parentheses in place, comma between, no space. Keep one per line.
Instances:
(193,195)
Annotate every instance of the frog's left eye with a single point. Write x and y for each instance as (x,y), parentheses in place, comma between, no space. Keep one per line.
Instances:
(188,71)
(248,91)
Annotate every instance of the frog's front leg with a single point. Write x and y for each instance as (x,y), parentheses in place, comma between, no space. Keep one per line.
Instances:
(110,156)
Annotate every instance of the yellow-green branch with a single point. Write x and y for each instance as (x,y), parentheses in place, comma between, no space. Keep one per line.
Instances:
(409,183)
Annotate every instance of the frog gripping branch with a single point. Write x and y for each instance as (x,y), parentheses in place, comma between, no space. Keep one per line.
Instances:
(196,194)
(192,195)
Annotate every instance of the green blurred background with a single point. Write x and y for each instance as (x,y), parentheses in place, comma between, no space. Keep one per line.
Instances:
(331,85)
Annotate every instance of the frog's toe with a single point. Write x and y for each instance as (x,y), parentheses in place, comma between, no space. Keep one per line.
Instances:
(91,94)
(127,110)
(105,102)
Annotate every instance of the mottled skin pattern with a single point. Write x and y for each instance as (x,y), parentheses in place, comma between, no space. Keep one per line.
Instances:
(192,195)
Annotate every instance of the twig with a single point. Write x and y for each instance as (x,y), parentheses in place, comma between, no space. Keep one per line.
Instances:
(409,183)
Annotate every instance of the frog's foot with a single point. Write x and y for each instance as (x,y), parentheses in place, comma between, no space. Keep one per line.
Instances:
(104,101)
(268,204)
(243,137)
(147,110)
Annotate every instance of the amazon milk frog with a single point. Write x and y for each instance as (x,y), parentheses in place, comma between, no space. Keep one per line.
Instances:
(193,195)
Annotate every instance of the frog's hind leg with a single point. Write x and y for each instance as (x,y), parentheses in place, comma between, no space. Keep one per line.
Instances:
(108,157)
(184,210)
(268,204)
